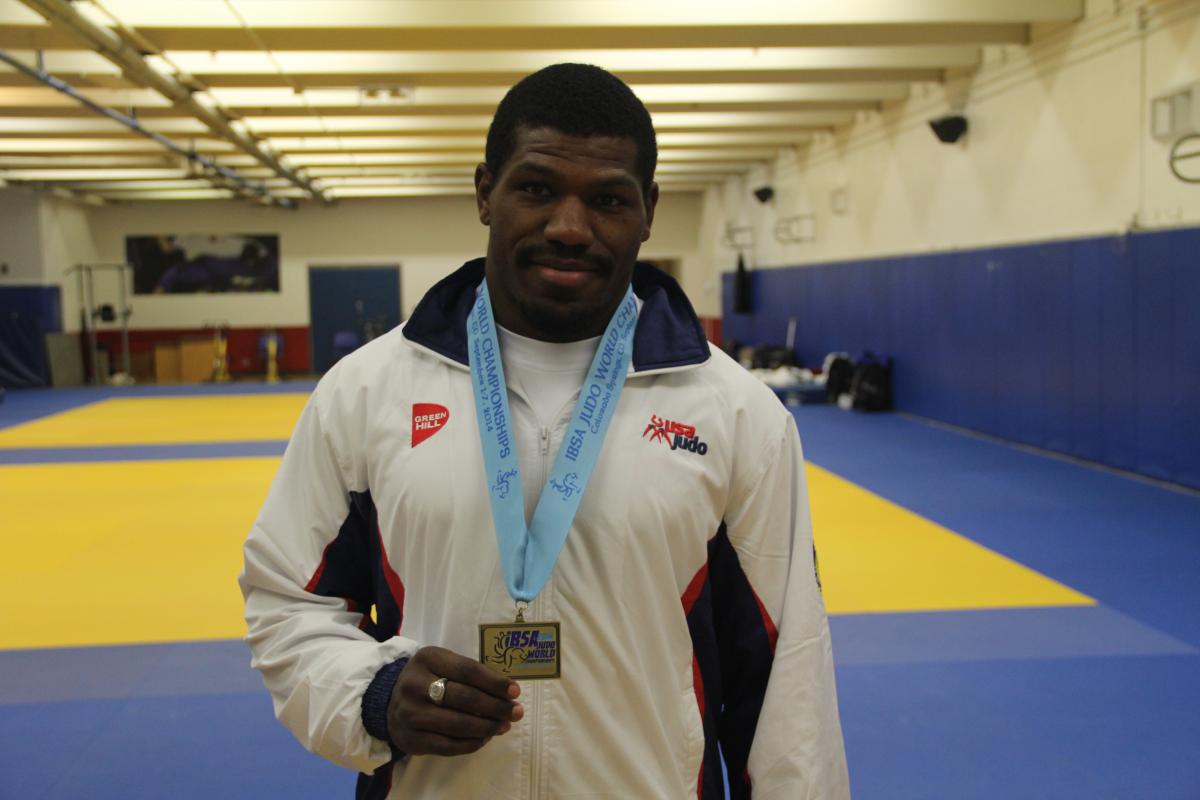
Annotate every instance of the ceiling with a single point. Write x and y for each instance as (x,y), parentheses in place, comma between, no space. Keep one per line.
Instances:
(288,101)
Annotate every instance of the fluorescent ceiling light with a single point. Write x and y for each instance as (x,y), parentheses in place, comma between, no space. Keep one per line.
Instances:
(173,194)
(400,191)
(91,174)
(735,59)
(101,145)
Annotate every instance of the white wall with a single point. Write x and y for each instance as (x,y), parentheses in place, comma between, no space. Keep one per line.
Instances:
(1058,147)
(67,240)
(20,238)
(428,237)
(1172,61)
(420,236)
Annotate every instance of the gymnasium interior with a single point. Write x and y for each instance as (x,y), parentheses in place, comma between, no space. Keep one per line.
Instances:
(205,204)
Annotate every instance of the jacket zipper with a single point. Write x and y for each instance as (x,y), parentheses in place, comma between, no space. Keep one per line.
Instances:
(535,752)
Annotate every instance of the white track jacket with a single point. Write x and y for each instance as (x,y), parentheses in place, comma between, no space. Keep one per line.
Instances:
(691,616)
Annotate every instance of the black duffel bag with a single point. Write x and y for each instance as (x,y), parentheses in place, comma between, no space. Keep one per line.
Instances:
(871,386)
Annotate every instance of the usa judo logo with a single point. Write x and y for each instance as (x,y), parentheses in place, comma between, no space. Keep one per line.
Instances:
(675,435)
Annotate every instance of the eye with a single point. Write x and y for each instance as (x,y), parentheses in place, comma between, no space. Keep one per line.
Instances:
(535,189)
(609,201)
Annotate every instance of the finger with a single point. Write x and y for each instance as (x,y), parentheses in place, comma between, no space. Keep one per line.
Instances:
(426,743)
(456,724)
(468,699)
(472,673)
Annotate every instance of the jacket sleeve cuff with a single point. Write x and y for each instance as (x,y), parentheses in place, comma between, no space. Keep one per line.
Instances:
(375,702)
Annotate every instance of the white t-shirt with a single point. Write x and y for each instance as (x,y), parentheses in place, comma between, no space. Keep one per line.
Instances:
(549,374)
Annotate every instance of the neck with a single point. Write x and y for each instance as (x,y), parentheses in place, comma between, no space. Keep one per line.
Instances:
(549,325)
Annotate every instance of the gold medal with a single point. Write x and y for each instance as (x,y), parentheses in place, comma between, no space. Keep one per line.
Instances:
(522,650)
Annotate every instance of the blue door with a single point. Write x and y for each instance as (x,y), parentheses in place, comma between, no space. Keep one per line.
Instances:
(349,306)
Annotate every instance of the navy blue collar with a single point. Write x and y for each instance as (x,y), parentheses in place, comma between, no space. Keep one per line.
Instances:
(668,333)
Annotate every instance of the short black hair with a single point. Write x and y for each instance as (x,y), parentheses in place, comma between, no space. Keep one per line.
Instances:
(578,100)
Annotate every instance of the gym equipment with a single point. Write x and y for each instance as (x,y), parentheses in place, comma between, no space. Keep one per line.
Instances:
(270,345)
(90,314)
(220,371)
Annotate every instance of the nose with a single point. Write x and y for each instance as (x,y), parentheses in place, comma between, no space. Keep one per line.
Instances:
(569,223)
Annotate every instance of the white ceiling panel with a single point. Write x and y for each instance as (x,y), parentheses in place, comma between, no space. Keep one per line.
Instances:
(394,97)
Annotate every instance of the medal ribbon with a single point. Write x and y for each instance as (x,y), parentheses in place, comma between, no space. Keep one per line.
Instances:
(528,553)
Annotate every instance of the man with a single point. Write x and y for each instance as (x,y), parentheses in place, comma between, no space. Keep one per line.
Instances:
(648,595)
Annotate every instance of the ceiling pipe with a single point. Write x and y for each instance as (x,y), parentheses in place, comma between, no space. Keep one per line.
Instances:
(218,175)
(112,47)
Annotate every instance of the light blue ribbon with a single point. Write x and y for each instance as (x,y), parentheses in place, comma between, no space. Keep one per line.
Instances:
(528,554)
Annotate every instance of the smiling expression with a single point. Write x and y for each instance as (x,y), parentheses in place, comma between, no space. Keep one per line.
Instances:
(566,217)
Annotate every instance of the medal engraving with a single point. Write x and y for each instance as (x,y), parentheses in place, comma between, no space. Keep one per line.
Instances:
(521,650)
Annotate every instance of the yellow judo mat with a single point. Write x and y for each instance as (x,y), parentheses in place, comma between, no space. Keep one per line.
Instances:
(149,551)
(163,420)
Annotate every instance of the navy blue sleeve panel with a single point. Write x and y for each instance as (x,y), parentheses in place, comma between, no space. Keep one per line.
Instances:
(746,639)
(375,786)
(733,645)
(706,674)
(355,567)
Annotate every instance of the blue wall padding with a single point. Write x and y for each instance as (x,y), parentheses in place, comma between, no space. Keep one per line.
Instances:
(27,314)
(1088,347)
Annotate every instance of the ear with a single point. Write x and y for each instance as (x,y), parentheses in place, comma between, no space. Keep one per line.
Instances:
(483,193)
(651,203)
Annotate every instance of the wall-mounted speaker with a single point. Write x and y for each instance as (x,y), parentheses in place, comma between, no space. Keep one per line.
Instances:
(949,129)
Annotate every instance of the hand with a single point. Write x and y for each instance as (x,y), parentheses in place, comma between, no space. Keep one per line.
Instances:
(478,705)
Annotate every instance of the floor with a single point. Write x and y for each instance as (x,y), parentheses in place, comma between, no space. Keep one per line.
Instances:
(1006,625)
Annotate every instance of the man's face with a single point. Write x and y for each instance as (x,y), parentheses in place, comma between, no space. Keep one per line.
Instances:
(566,217)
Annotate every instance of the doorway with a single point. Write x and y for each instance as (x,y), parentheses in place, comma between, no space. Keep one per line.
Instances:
(348,307)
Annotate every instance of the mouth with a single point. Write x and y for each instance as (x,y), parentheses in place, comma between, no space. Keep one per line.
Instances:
(563,278)
(564,264)
(564,273)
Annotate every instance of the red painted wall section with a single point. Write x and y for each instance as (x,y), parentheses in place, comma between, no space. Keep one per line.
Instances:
(712,329)
(243,354)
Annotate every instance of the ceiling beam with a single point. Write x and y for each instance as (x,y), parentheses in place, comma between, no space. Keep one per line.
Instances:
(55,161)
(529,24)
(45,99)
(173,194)
(342,37)
(132,64)
(360,60)
(249,68)
(34,146)
(377,125)
(34,101)
(378,96)
(203,167)
(92,174)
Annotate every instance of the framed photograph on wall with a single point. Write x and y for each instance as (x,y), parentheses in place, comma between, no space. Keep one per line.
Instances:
(192,263)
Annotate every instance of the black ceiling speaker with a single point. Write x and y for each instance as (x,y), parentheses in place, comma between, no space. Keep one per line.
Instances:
(949,129)
(764,193)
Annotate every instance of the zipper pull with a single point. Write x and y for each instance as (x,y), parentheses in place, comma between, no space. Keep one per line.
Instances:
(545,434)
